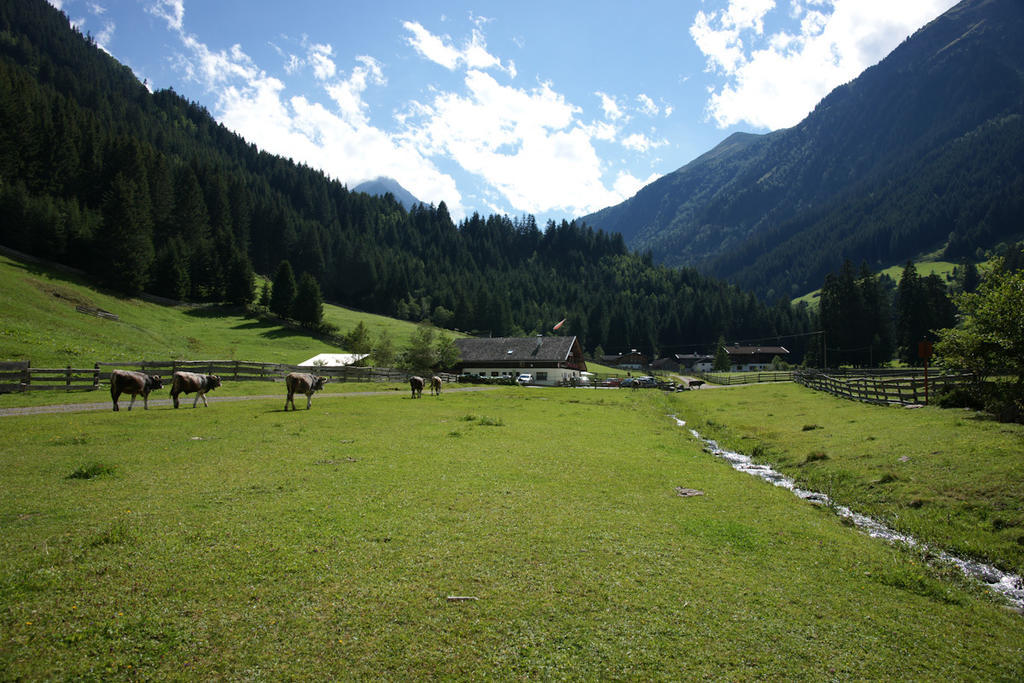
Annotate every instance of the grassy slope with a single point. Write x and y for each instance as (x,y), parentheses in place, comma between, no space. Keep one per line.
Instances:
(242,542)
(944,269)
(38,321)
(948,477)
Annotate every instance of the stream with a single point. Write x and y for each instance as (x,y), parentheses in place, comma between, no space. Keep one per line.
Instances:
(1010,586)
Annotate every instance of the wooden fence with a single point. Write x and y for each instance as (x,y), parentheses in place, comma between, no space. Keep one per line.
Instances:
(20,376)
(728,378)
(903,387)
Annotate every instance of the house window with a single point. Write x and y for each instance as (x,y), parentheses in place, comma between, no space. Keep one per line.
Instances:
(494,373)
(542,376)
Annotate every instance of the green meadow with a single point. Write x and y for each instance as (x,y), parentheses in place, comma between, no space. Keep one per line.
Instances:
(510,533)
(952,478)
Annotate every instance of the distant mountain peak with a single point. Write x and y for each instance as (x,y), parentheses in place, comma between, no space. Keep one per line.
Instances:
(382,185)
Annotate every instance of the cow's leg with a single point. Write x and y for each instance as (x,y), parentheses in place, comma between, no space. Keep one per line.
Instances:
(114,395)
(309,400)
(289,397)
(132,402)
(145,401)
(196,402)
(174,397)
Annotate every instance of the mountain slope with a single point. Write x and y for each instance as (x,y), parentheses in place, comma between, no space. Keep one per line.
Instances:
(884,167)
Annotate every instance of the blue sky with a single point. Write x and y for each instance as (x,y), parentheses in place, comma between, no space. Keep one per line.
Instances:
(551,108)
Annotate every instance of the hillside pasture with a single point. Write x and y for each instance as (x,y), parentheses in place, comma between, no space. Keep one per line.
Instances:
(39,321)
(503,534)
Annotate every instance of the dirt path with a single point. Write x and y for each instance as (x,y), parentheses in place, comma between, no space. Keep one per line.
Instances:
(158,402)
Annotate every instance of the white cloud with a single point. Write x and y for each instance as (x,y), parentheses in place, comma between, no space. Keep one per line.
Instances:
(439,49)
(612,110)
(647,105)
(638,142)
(775,84)
(320,59)
(171,11)
(627,185)
(106,35)
(527,144)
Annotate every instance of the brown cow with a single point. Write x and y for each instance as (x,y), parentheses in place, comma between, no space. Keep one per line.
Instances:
(302,383)
(416,384)
(188,382)
(435,385)
(134,383)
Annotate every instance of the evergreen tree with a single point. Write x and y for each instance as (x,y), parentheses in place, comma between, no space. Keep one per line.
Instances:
(384,350)
(420,354)
(265,296)
(721,362)
(240,287)
(446,353)
(358,340)
(308,307)
(125,241)
(282,295)
(170,271)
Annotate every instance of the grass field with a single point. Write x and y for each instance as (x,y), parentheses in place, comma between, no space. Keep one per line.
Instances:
(39,322)
(949,477)
(241,542)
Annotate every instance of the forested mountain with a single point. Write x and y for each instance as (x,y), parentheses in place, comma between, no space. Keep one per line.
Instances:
(382,186)
(149,193)
(922,150)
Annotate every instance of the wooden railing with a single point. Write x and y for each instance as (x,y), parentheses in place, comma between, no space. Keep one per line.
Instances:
(20,376)
(904,387)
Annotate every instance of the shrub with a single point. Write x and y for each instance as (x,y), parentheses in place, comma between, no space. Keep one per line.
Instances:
(91,471)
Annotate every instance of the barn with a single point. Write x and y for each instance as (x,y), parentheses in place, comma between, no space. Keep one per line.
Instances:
(551,361)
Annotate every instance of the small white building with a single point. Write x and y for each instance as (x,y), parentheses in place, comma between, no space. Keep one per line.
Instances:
(333,360)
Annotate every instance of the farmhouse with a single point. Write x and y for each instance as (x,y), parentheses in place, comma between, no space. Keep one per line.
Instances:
(633,360)
(695,361)
(550,360)
(746,358)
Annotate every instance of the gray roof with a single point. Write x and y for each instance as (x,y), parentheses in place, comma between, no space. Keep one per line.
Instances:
(481,350)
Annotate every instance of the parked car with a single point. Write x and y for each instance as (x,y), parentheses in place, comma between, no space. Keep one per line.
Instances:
(611,382)
(524,379)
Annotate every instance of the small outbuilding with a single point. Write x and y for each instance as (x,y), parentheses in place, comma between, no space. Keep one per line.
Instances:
(550,361)
(333,360)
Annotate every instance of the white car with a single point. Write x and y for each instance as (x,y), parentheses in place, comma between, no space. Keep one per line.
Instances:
(525,378)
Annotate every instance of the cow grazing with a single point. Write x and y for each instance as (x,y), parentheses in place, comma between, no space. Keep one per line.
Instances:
(302,383)
(416,384)
(435,385)
(189,382)
(134,383)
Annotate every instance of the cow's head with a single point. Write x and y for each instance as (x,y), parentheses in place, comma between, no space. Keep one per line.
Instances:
(155,382)
(213,381)
(319,382)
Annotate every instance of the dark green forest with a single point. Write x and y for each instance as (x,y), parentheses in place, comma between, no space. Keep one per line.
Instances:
(147,192)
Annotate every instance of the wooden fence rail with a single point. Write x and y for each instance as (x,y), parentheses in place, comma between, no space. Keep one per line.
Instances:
(908,389)
(20,376)
(728,378)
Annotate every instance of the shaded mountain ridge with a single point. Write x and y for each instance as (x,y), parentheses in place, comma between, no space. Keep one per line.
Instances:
(922,150)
